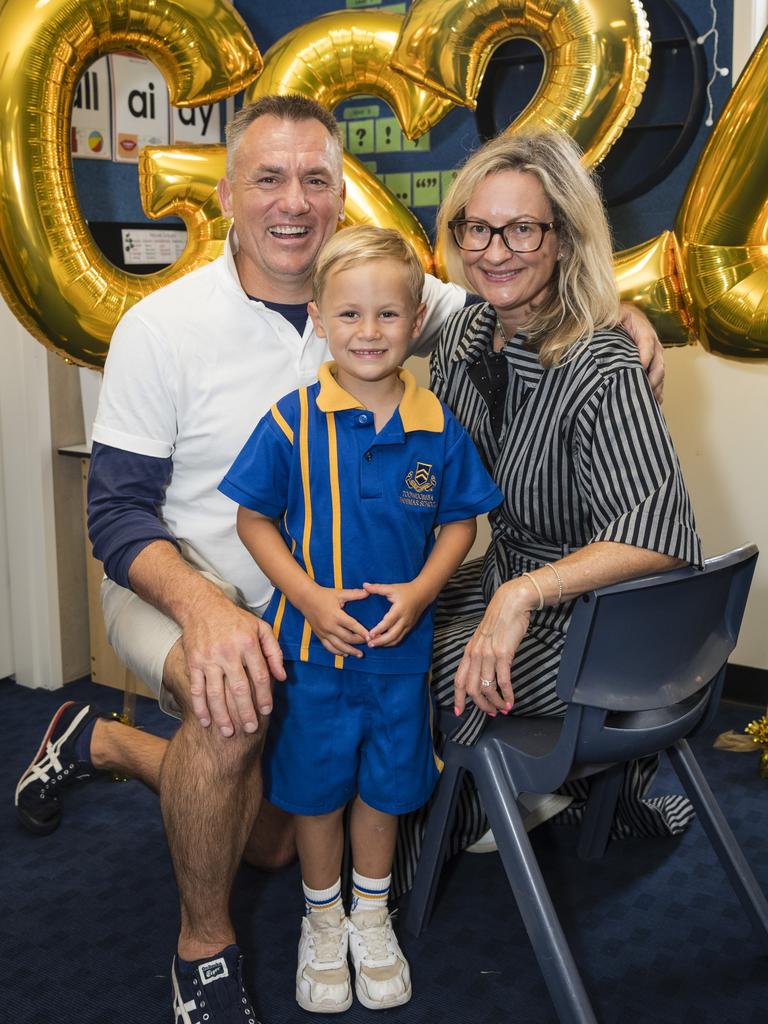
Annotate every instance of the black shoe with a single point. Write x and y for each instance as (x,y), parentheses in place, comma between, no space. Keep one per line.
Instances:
(211,991)
(54,766)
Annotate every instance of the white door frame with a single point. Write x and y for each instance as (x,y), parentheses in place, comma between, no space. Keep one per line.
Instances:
(28,509)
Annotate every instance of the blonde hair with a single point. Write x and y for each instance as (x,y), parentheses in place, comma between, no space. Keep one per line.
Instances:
(351,246)
(584,297)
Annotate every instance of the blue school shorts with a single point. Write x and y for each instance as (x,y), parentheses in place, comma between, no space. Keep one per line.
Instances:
(337,732)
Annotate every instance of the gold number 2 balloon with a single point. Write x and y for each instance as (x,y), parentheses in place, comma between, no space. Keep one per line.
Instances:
(597,57)
(51,273)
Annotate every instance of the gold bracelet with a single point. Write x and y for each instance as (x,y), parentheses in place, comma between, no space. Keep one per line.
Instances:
(559,578)
(539,591)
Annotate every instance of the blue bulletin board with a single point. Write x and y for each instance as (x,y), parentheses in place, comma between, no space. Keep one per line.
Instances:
(418,173)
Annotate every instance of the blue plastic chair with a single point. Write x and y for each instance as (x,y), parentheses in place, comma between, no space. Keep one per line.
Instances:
(642,669)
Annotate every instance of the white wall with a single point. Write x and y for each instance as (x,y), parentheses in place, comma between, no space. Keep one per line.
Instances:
(28,509)
(6,633)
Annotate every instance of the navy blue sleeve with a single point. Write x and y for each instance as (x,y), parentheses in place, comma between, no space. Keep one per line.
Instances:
(125,494)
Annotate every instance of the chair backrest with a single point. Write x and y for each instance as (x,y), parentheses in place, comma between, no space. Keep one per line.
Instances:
(652,642)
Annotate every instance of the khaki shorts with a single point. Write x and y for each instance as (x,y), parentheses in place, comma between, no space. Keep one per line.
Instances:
(142,636)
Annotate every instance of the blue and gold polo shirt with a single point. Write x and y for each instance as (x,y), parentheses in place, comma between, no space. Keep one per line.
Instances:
(355,506)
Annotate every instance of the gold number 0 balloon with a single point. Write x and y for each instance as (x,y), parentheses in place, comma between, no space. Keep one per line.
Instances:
(52,274)
(343,54)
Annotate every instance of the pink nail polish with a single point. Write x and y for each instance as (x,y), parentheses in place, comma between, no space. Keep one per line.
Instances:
(456,712)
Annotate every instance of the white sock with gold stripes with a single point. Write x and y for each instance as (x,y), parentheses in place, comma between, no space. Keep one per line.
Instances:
(321,899)
(368,893)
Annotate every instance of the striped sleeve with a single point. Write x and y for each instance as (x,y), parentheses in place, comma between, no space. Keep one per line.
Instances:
(632,475)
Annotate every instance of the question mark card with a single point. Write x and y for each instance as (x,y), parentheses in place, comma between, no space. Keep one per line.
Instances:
(361,136)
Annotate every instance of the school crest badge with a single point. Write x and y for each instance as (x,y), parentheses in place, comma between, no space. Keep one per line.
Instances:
(420,484)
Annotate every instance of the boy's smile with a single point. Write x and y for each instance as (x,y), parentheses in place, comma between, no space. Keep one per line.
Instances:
(369,318)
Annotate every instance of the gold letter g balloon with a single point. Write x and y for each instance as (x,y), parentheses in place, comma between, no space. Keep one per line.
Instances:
(51,273)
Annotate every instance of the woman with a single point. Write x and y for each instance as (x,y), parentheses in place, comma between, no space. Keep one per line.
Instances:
(556,400)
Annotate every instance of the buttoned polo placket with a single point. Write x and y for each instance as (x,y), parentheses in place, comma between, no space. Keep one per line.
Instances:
(370,448)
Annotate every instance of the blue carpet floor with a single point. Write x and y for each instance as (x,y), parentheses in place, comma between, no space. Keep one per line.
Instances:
(88,916)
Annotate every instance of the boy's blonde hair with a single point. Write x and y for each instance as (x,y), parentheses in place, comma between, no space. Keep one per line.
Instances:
(355,245)
(584,296)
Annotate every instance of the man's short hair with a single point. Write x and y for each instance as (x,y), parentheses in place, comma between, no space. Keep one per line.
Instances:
(288,107)
(352,246)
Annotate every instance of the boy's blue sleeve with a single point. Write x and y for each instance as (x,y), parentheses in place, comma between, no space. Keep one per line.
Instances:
(467,489)
(260,475)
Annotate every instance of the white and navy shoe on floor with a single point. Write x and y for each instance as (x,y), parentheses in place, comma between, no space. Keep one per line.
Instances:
(55,766)
(211,991)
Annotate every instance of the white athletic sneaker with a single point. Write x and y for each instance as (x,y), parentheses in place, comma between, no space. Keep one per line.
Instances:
(382,976)
(323,984)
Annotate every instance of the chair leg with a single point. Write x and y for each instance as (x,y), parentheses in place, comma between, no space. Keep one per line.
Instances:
(595,828)
(433,849)
(550,945)
(720,835)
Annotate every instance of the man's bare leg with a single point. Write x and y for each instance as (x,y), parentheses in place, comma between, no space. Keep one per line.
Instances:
(120,748)
(210,791)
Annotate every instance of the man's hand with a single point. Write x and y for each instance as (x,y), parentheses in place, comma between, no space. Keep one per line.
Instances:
(323,608)
(408,602)
(230,655)
(641,330)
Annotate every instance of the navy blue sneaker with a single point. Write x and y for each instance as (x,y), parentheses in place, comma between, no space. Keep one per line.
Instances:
(211,991)
(54,766)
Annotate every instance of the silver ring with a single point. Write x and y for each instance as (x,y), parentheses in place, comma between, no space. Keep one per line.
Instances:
(487,683)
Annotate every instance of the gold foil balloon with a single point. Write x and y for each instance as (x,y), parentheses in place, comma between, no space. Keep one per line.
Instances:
(345,54)
(648,276)
(180,181)
(722,225)
(52,274)
(596,59)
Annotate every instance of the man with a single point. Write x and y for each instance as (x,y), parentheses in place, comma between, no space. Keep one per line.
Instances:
(191,369)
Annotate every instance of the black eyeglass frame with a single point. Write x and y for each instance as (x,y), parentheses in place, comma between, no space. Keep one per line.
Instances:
(544,225)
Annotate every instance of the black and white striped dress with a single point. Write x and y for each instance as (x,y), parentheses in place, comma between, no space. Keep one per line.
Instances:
(582,454)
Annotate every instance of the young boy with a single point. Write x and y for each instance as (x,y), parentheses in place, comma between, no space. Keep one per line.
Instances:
(340,488)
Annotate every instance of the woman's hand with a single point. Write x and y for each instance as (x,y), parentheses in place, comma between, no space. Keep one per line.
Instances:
(490,652)
(336,631)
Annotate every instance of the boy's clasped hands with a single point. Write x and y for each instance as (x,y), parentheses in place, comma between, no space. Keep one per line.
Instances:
(341,633)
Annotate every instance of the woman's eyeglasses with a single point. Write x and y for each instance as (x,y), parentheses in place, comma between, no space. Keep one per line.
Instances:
(519,236)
